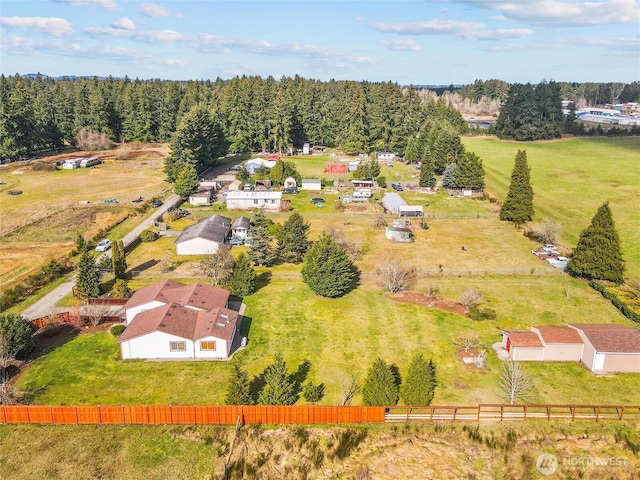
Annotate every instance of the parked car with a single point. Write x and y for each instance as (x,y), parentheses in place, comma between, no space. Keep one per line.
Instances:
(389,164)
(397,187)
(236,241)
(156,203)
(103,245)
(291,190)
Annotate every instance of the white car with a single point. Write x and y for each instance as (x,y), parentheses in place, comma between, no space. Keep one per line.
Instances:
(103,246)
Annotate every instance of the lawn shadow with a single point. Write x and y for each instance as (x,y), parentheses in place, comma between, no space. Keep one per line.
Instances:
(299,376)
(262,280)
(395,371)
(355,283)
(256,386)
(142,267)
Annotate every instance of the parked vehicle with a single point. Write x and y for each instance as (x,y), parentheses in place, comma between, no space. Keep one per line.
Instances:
(156,203)
(103,245)
(236,241)
(317,200)
(397,187)
(291,190)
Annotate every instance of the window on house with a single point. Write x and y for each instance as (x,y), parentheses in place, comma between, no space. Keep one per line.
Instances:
(208,345)
(255,201)
(178,346)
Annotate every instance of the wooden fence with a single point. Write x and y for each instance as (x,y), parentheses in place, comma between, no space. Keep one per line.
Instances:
(507,412)
(189,415)
(69,318)
(306,414)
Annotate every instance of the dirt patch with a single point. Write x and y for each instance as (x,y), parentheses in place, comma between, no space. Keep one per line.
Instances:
(432,301)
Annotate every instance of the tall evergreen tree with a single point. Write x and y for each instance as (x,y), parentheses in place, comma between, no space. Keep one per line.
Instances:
(87,276)
(380,386)
(186,181)
(294,241)
(420,382)
(427,173)
(279,389)
(238,386)
(260,251)
(518,206)
(598,254)
(449,176)
(470,173)
(374,168)
(243,277)
(412,152)
(327,268)
(118,259)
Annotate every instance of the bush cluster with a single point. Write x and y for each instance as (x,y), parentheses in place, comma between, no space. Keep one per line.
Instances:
(619,304)
(480,314)
(117,330)
(148,236)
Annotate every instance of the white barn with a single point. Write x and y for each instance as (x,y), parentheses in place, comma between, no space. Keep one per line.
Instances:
(204,237)
(241,200)
(311,184)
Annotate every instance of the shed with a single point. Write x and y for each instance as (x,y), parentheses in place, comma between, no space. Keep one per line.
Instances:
(311,184)
(609,347)
(263,184)
(203,197)
(522,345)
(392,201)
(410,211)
(362,183)
(235,185)
(290,182)
(399,231)
(561,344)
(240,227)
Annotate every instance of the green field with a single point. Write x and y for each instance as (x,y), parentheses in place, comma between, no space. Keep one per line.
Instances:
(344,336)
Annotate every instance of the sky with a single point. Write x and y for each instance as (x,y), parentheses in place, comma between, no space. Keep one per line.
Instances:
(412,42)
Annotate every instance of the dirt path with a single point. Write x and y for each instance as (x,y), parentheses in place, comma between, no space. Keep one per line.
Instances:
(47,304)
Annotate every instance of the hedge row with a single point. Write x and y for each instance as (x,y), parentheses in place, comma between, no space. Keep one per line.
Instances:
(619,304)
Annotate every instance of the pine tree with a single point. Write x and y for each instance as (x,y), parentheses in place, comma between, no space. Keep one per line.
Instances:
(427,173)
(294,242)
(186,181)
(380,386)
(88,277)
(412,154)
(81,243)
(327,269)
(118,259)
(278,389)
(470,173)
(239,386)
(419,384)
(260,251)
(449,176)
(598,254)
(243,277)
(518,206)
(276,175)
(374,168)
(121,289)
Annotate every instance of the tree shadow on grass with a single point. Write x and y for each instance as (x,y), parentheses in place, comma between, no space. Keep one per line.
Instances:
(355,283)
(262,280)
(395,371)
(142,267)
(299,376)
(256,386)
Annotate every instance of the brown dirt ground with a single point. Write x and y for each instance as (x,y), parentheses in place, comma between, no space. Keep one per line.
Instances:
(432,301)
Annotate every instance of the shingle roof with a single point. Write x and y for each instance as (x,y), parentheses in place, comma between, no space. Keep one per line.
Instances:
(611,338)
(240,222)
(559,335)
(523,338)
(214,228)
(197,295)
(174,319)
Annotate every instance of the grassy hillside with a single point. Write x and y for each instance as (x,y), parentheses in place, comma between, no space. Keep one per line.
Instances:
(590,451)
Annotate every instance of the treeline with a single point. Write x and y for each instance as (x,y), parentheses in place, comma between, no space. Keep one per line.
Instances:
(254,113)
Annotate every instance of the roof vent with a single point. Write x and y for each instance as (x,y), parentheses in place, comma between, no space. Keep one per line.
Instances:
(224,315)
(219,324)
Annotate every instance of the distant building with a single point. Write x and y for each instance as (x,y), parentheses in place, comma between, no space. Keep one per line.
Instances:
(204,237)
(241,200)
(311,184)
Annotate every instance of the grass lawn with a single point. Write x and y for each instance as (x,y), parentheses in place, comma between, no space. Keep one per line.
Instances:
(571,178)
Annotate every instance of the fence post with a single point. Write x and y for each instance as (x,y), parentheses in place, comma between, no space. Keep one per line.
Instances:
(573,413)
(124,417)
(597,413)
(53,422)
(621,412)
(76,410)
(478,413)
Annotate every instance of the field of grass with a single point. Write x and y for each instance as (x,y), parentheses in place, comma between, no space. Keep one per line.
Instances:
(571,178)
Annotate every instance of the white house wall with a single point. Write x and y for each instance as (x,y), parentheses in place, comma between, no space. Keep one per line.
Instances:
(132,312)
(523,354)
(563,352)
(222,348)
(197,246)
(251,203)
(622,362)
(155,345)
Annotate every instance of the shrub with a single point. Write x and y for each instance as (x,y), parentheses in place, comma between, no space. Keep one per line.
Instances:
(42,167)
(148,236)
(382,181)
(117,329)
(313,393)
(470,298)
(17,334)
(620,305)
(480,314)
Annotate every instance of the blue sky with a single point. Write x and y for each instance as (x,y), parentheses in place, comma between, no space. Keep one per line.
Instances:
(408,42)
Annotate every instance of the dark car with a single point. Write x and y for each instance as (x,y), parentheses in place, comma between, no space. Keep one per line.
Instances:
(290,190)
(317,200)
(235,241)
(397,187)
(156,203)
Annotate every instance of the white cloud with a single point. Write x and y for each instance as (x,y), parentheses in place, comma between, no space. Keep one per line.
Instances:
(565,13)
(617,44)
(58,27)
(405,44)
(503,34)
(106,4)
(124,23)
(431,27)
(154,10)
(107,32)
(148,36)
(21,46)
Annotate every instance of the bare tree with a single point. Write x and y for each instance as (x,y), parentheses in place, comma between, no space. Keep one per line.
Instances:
(95,312)
(379,221)
(166,264)
(467,341)
(217,267)
(352,248)
(515,382)
(6,356)
(350,388)
(546,232)
(432,290)
(395,277)
(470,298)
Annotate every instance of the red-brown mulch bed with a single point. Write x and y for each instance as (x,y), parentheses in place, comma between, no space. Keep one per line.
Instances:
(432,301)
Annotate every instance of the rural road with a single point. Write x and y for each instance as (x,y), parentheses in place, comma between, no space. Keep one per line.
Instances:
(46,304)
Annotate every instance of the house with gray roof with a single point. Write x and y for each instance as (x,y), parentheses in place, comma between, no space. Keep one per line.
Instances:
(204,237)
(240,227)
